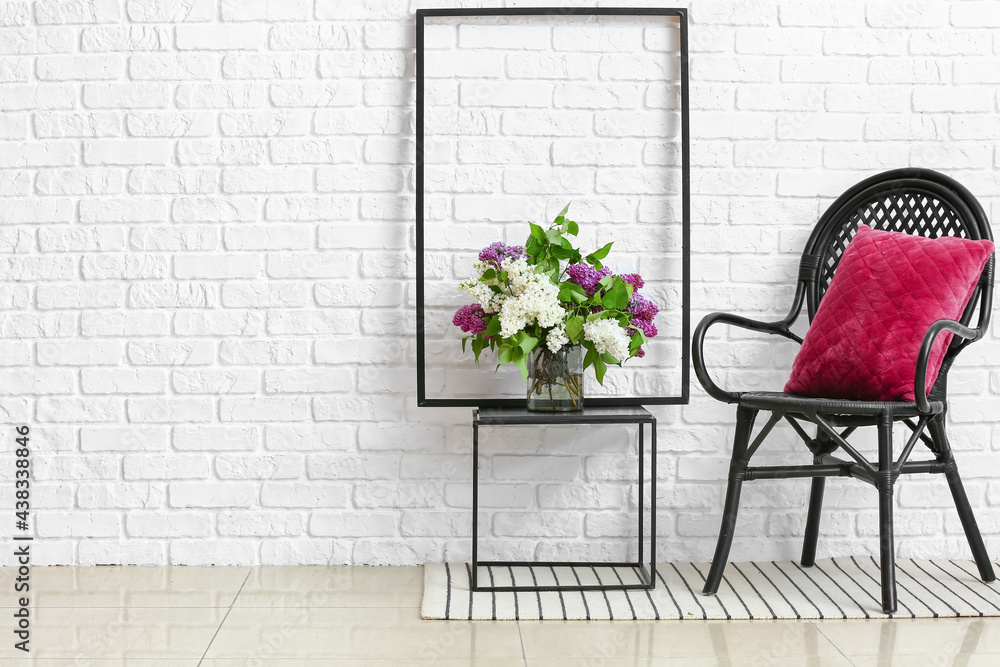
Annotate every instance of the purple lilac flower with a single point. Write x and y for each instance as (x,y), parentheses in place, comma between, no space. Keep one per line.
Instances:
(647,327)
(498,251)
(470,318)
(586,276)
(633,279)
(641,308)
(643,311)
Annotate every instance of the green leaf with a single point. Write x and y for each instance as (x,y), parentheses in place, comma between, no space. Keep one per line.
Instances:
(600,253)
(600,368)
(528,343)
(574,328)
(553,236)
(571,286)
(561,251)
(607,357)
(493,327)
(537,232)
(505,354)
(533,247)
(572,228)
(572,293)
(591,355)
(608,301)
(562,213)
(637,340)
(521,363)
(464,338)
(617,297)
(489,274)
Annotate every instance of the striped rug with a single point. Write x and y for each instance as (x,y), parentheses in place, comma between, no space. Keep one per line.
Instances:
(834,588)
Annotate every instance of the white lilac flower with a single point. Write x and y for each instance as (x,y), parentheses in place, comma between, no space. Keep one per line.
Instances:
(534,299)
(537,304)
(531,299)
(480,290)
(482,294)
(556,338)
(608,337)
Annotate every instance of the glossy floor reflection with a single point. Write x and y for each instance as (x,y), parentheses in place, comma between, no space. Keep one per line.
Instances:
(357,616)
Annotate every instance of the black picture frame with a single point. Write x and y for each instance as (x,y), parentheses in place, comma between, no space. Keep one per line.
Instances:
(598,401)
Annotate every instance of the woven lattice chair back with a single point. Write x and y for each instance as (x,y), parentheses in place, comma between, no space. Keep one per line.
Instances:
(912,201)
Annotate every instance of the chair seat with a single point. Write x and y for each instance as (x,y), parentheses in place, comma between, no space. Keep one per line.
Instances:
(793,404)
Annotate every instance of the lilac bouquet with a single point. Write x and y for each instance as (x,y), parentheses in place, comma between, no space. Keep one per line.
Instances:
(545,297)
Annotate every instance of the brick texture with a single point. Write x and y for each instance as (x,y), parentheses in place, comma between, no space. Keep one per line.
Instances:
(206,255)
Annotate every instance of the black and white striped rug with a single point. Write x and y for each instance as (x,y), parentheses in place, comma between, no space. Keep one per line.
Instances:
(834,588)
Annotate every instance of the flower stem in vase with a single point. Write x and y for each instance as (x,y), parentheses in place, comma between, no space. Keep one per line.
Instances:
(555,379)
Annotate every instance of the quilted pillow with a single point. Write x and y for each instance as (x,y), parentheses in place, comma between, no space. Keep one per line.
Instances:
(886,292)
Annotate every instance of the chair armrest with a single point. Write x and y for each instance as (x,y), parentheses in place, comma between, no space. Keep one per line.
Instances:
(920,381)
(779,328)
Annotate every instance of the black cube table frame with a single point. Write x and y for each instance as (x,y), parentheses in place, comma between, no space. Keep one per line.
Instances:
(603,415)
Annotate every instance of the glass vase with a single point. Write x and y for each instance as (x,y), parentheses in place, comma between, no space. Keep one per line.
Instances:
(555,379)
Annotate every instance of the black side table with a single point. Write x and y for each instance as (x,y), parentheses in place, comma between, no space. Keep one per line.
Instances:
(521,416)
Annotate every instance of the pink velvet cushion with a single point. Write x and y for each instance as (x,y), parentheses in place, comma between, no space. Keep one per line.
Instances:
(887,291)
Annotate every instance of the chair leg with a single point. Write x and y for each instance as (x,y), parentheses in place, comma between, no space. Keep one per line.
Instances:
(744,425)
(938,433)
(820,446)
(812,521)
(885,502)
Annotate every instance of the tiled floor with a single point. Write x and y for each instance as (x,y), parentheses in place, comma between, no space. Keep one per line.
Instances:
(349,617)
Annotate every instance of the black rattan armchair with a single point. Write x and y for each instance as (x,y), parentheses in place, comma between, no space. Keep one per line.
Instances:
(915,201)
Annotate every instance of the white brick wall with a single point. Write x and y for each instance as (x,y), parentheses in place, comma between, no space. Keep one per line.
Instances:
(206,229)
